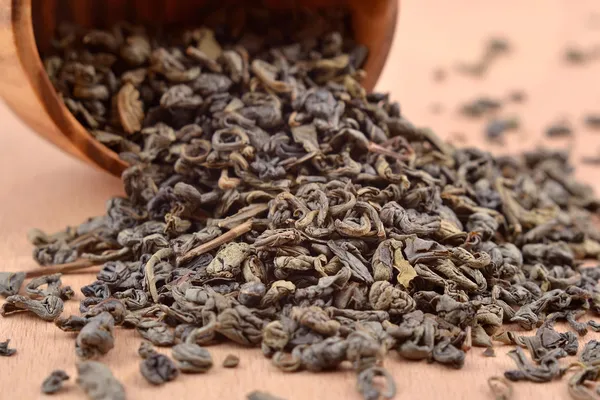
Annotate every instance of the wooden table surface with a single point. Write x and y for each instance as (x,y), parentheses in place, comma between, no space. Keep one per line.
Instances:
(41,187)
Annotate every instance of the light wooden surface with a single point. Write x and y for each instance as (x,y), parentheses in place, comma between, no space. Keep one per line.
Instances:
(42,187)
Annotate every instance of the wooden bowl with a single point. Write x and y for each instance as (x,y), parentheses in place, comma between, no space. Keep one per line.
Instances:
(28,25)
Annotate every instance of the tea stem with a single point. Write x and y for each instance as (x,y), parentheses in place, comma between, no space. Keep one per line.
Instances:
(66,268)
(166,252)
(216,242)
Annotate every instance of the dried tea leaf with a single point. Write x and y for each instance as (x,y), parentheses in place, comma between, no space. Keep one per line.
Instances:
(136,50)
(48,309)
(192,358)
(158,369)
(368,388)
(590,355)
(146,349)
(501,388)
(577,387)
(489,352)
(445,353)
(112,306)
(54,382)
(592,121)
(206,42)
(5,351)
(98,382)
(157,333)
(10,283)
(268,73)
(53,287)
(130,108)
(306,135)
(96,337)
(228,261)
(72,323)
(231,361)
(548,370)
(257,395)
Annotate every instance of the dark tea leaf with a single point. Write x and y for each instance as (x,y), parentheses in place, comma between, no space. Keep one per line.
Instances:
(257,395)
(272,202)
(10,283)
(5,351)
(368,388)
(48,309)
(590,355)
(157,333)
(501,388)
(548,370)
(54,382)
(146,350)
(158,369)
(192,358)
(98,382)
(96,337)
(577,383)
(231,361)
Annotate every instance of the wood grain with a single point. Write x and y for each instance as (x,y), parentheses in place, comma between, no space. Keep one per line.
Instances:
(42,187)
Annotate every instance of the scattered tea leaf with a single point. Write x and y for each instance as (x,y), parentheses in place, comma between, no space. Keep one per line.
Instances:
(501,388)
(5,351)
(480,106)
(257,395)
(559,129)
(496,128)
(192,358)
(592,121)
(489,352)
(10,283)
(231,361)
(48,309)
(368,387)
(98,382)
(54,382)
(158,369)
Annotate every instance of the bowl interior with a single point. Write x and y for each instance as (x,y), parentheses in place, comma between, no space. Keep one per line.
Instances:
(373,24)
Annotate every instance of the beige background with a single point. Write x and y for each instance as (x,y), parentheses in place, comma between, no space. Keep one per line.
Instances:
(41,187)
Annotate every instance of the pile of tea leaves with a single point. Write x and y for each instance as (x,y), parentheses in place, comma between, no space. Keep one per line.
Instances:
(274,203)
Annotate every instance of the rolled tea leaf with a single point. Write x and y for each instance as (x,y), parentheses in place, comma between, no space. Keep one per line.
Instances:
(98,382)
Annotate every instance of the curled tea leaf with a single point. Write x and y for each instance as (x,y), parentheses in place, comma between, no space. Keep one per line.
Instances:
(131,109)
(287,362)
(96,337)
(48,309)
(445,353)
(590,355)
(54,382)
(257,395)
(548,370)
(5,351)
(71,323)
(98,382)
(228,261)
(158,369)
(500,387)
(367,387)
(10,283)
(146,349)
(231,361)
(157,333)
(577,387)
(489,352)
(192,358)
(112,306)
